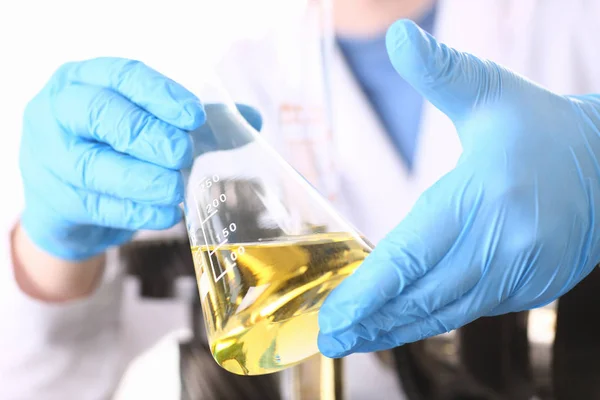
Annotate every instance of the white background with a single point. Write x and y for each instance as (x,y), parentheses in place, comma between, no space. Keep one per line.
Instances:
(174,37)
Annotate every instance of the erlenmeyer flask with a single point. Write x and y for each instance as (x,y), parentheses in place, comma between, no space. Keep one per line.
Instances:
(267,247)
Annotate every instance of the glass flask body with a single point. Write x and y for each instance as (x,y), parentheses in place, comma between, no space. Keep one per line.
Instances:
(267,247)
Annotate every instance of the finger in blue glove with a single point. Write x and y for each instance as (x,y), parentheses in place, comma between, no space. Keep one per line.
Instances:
(102,147)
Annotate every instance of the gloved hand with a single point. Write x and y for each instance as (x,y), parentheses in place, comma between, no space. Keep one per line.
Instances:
(511,227)
(102,147)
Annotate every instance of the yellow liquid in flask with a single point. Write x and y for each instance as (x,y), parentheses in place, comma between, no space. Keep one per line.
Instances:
(261,300)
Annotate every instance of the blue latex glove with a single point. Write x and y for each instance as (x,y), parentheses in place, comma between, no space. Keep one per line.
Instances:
(102,148)
(511,227)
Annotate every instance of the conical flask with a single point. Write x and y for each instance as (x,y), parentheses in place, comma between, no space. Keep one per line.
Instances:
(267,247)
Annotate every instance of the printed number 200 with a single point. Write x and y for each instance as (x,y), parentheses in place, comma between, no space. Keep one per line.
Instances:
(215,203)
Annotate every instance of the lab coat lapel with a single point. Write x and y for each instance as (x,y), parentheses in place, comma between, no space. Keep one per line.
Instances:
(376,188)
(502,35)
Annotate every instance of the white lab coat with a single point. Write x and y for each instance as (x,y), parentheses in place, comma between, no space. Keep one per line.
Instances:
(80,350)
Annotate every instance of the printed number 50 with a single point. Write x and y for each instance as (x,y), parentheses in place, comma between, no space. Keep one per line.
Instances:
(226,231)
(208,182)
(232,228)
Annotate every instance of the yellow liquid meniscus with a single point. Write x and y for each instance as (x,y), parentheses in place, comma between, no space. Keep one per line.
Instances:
(260,300)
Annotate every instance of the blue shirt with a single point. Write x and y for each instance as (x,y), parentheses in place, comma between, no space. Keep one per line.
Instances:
(396,103)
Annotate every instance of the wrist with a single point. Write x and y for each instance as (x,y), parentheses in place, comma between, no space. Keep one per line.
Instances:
(48,278)
(59,238)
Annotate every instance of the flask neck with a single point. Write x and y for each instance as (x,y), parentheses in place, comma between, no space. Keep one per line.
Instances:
(224,129)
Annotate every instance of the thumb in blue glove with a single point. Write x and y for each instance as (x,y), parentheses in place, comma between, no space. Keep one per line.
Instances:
(510,228)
